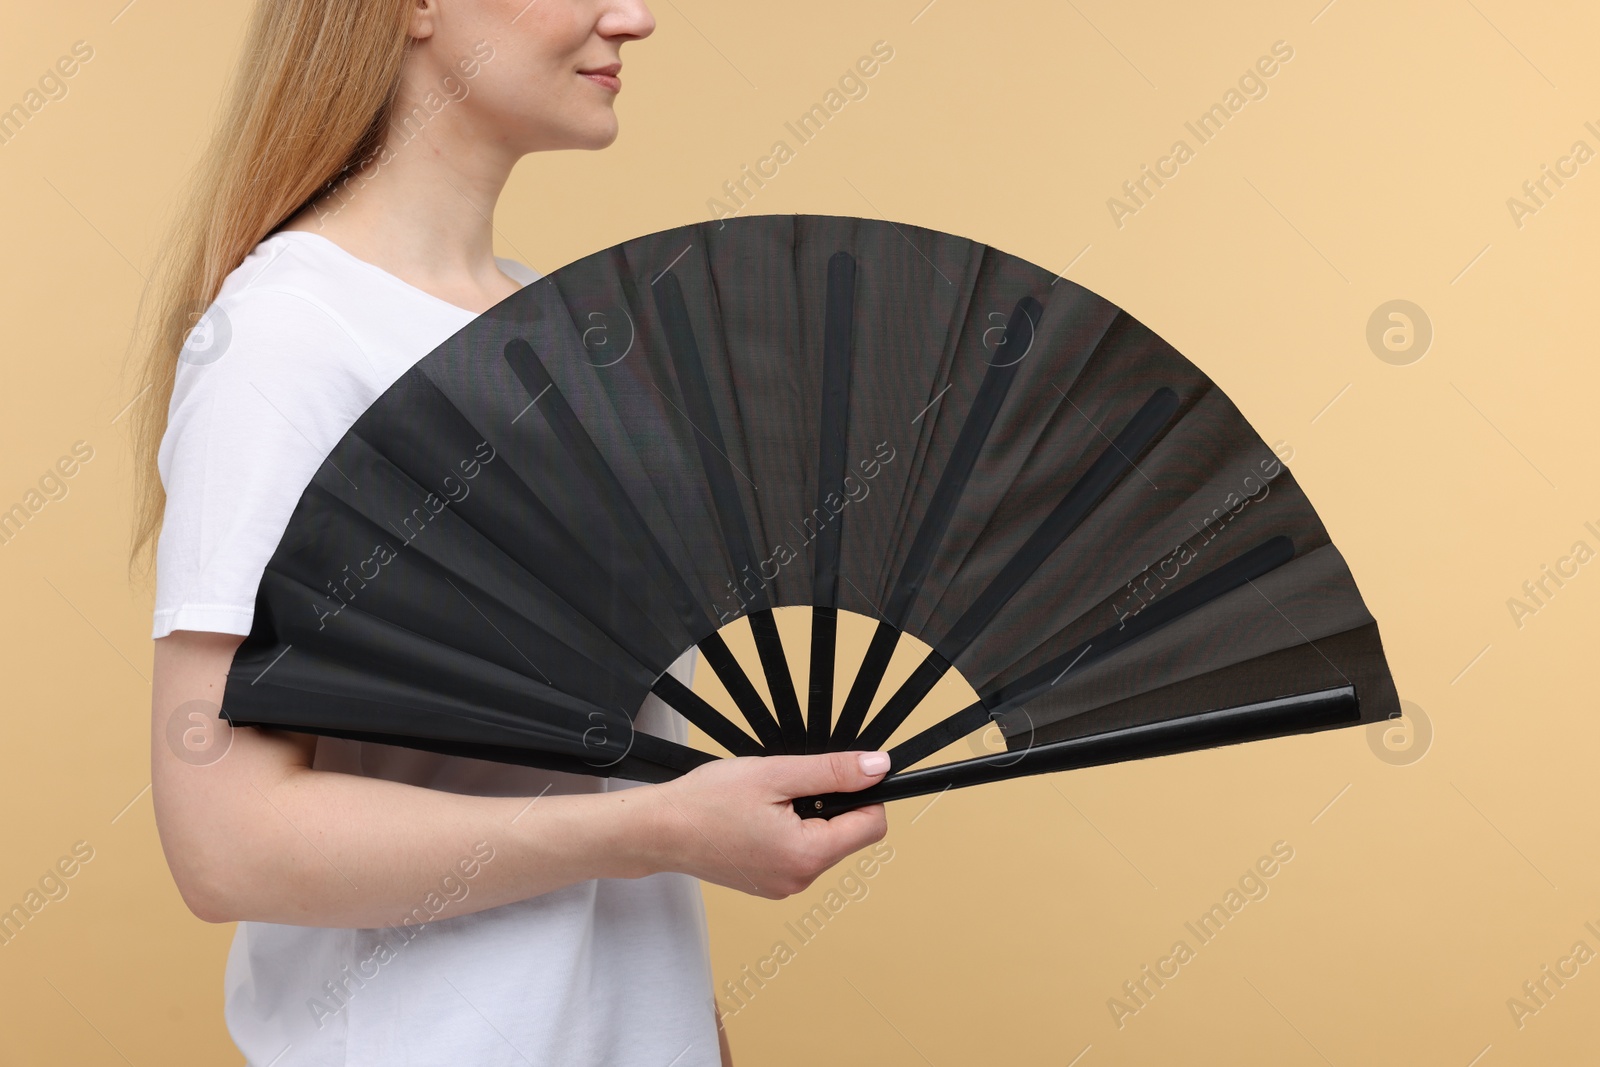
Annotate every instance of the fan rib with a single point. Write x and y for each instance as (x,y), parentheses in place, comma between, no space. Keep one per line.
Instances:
(1109,468)
(714,724)
(946,495)
(1244,568)
(903,702)
(743,692)
(963,457)
(946,731)
(1280,717)
(1113,463)
(865,686)
(780,683)
(1239,571)
(837,334)
(819,689)
(702,413)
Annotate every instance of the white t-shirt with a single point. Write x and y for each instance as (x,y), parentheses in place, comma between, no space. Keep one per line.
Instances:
(302,338)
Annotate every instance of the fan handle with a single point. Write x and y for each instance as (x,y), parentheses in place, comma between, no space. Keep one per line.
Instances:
(1301,713)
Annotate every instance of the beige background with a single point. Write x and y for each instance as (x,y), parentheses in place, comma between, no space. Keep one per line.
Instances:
(1421,894)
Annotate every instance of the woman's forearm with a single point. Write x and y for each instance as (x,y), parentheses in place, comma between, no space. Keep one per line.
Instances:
(320,848)
(255,833)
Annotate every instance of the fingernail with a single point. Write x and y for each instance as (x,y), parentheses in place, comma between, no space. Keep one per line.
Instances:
(874,762)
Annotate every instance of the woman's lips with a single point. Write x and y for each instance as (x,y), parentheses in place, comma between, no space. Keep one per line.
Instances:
(606,76)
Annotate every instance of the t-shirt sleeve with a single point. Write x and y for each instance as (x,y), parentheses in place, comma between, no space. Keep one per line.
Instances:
(255,410)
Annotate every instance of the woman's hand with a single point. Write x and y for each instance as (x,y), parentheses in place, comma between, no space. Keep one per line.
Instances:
(730,821)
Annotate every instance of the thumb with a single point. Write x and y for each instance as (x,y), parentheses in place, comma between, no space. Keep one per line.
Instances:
(826,772)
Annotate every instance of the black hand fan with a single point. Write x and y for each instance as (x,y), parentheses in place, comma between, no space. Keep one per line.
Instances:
(694,429)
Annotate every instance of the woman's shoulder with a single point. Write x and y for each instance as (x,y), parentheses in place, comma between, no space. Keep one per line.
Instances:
(306,335)
(277,305)
(299,296)
(296,325)
(274,363)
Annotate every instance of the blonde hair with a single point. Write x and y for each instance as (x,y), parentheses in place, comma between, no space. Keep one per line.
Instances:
(310,102)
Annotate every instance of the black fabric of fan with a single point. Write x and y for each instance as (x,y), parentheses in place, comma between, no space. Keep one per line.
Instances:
(694,429)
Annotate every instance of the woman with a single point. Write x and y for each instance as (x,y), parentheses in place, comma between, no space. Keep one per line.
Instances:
(393,905)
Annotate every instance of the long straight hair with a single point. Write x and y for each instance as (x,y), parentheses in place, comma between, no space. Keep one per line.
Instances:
(310,102)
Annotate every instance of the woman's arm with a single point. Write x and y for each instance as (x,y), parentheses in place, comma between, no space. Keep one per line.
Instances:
(259,835)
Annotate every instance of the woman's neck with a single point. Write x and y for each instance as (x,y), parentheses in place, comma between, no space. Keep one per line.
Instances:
(423,210)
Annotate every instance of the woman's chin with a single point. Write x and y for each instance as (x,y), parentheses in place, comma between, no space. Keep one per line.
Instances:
(601,142)
(592,134)
(601,131)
